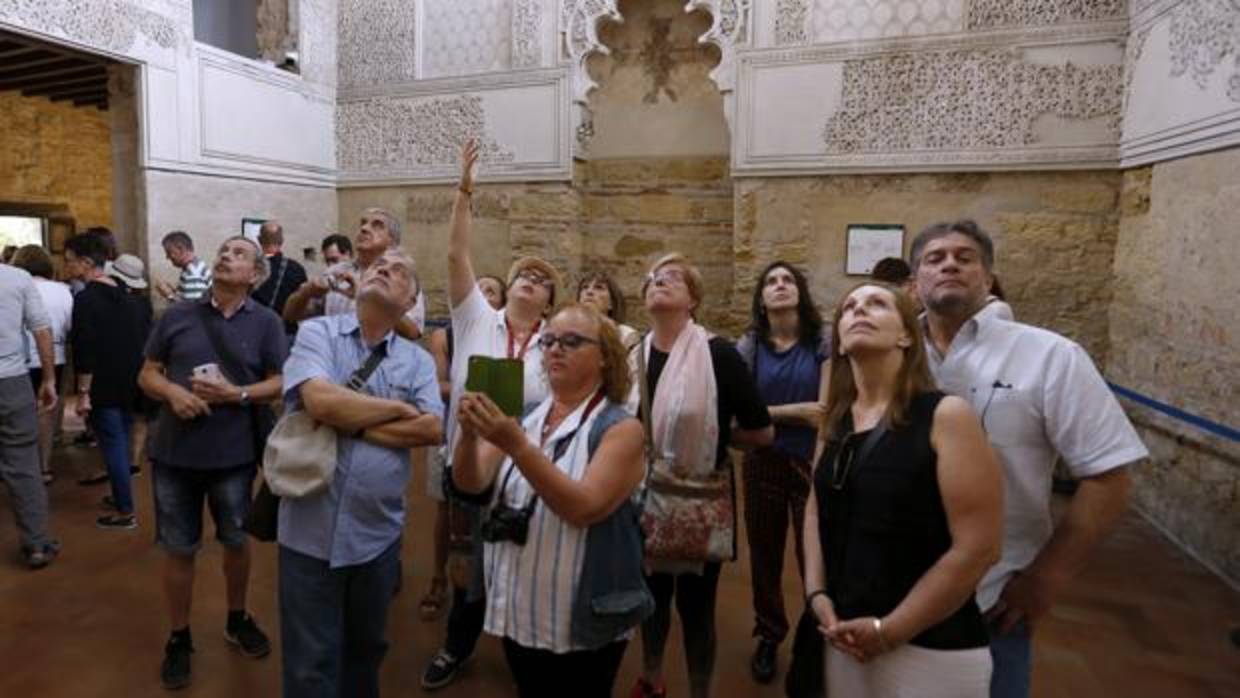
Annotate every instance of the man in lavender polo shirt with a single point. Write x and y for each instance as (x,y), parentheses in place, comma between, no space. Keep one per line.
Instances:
(339,548)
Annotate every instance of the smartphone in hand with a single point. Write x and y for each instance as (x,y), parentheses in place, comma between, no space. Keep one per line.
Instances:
(208,372)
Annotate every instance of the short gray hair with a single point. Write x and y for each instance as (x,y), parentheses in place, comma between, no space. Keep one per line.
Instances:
(965,227)
(260,260)
(390,220)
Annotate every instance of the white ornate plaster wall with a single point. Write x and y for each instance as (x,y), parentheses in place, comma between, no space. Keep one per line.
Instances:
(463,37)
(378,42)
(1183,79)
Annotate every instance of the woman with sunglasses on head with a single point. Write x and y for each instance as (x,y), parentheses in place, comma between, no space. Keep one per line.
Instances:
(598,289)
(785,350)
(562,532)
(905,517)
(479,329)
(696,387)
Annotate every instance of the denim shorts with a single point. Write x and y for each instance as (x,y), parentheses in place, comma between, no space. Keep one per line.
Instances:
(179,494)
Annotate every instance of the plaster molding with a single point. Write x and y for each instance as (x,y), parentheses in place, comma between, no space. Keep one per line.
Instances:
(527,33)
(378,42)
(791,22)
(912,103)
(993,14)
(112,26)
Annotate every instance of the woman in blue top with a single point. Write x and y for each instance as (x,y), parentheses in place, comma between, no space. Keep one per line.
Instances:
(785,349)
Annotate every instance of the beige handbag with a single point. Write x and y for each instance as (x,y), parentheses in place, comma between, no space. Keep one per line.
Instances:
(300,456)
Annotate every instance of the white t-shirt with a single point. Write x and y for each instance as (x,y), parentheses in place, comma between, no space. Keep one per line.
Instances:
(1039,398)
(480,330)
(335,303)
(58,302)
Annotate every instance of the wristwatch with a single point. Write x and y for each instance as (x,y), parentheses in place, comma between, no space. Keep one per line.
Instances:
(245,398)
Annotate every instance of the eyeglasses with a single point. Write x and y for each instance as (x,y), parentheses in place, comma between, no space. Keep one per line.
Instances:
(535,277)
(568,341)
(843,462)
(667,276)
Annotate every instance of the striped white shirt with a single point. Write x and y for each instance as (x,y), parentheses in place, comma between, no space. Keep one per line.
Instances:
(195,280)
(530,588)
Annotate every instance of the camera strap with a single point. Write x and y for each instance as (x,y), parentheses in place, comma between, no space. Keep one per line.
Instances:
(557,451)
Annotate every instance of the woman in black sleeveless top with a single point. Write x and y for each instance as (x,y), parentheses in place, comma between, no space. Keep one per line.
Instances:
(905,517)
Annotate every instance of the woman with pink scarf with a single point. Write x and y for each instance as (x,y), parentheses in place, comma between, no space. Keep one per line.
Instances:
(697,385)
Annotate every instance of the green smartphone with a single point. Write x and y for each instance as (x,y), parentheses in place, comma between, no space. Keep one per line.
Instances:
(502,380)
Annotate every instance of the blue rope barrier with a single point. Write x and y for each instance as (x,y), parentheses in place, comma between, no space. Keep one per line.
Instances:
(1200,422)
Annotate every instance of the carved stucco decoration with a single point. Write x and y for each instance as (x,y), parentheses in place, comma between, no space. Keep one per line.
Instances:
(527,33)
(319,41)
(400,134)
(466,37)
(992,14)
(964,100)
(1205,34)
(579,22)
(791,22)
(112,25)
(377,42)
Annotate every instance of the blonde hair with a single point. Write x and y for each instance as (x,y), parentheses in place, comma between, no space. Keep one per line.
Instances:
(912,380)
(615,371)
(693,277)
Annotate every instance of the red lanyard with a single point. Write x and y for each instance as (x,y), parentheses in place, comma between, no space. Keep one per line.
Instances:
(524,345)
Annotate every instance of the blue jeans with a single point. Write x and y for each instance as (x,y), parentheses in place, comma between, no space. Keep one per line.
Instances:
(333,622)
(111,426)
(1012,654)
(179,494)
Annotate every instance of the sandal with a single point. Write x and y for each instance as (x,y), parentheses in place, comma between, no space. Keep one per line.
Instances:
(432,604)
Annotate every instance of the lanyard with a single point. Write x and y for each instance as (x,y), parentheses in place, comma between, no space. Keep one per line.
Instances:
(558,451)
(520,354)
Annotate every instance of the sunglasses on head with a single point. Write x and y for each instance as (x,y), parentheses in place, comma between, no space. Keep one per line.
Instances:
(568,341)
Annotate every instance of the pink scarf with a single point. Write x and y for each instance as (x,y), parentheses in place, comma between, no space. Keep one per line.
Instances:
(684,412)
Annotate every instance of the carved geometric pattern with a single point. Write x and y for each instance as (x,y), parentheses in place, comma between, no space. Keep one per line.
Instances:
(319,41)
(965,99)
(526,33)
(991,14)
(109,24)
(399,134)
(790,22)
(1205,34)
(847,20)
(466,36)
(377,42)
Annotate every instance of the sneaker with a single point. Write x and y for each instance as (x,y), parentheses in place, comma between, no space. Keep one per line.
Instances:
(442,670)
(248,638)
(175,671)
(117,521)
(762,665)
(645,689)
(38,558)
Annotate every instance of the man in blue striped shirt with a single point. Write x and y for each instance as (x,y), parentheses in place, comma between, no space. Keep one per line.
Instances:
(339,548)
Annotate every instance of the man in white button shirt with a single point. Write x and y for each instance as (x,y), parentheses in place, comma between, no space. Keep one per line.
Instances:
(1040,399)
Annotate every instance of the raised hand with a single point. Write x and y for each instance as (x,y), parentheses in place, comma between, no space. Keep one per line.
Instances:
(469,158)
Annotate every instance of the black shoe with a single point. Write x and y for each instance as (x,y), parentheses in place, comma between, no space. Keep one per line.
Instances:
(175,671)
(38,558)
(762,666)
(135,470)
(246,637)
(117,521)
(96,479)
(442,671)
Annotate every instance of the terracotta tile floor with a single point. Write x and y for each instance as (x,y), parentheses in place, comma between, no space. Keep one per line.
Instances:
(1145,620)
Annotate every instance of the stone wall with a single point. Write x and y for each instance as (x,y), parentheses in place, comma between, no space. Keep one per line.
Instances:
(616,215)
(1175,336)
(1054,234)
(55,154)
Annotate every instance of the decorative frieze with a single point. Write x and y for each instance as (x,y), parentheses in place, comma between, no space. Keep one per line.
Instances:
(964,100)
(993,14)
(394,134)
(111,25)
(791,22)
(527,33)
(377,42)
(463,37)
(1205,35)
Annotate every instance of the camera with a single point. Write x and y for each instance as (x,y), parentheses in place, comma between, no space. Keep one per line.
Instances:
(505,523)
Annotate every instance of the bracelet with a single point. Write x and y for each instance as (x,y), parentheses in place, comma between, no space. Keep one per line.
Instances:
(809,598)
(878,630)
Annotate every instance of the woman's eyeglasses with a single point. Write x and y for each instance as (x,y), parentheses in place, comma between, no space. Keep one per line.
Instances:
(567,341)
(534,277)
